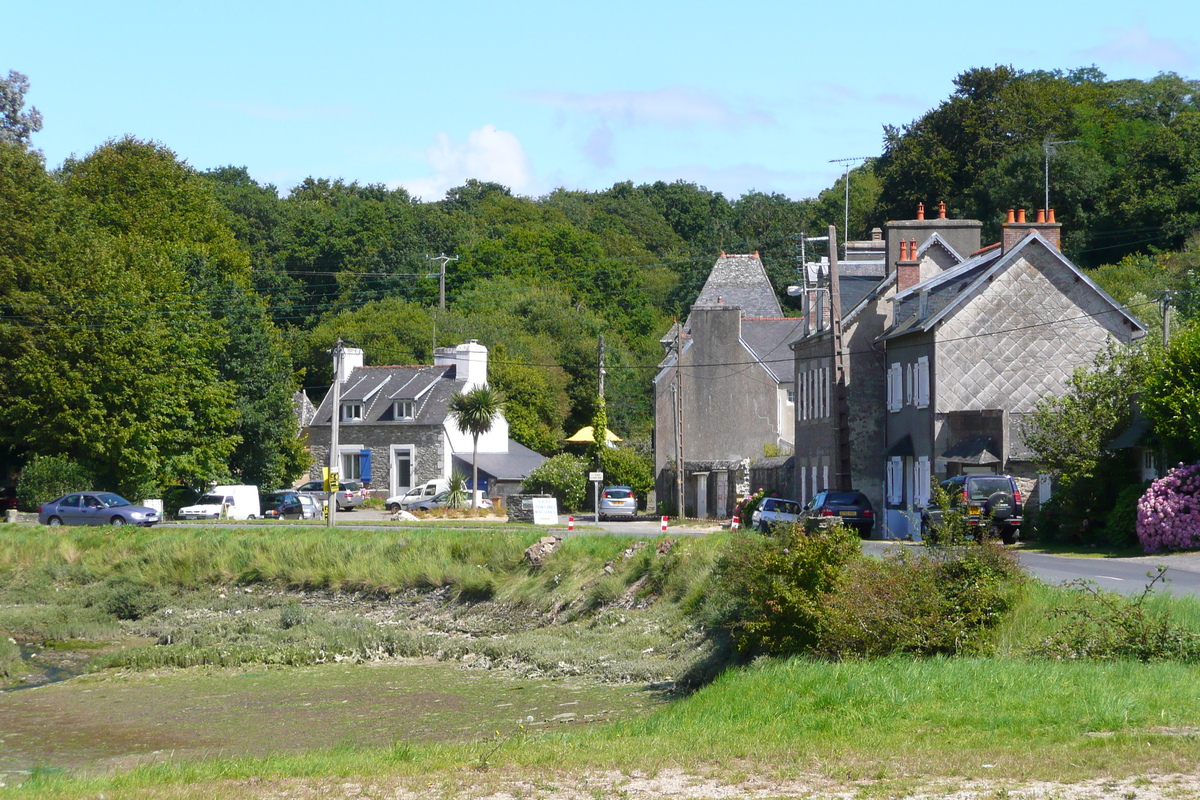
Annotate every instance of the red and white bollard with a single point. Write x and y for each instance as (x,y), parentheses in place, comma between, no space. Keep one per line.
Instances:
(733,525)
(663,528)
(570,523)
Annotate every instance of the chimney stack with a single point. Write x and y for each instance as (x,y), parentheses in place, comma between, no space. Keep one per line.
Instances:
(1014,231)
(908,269)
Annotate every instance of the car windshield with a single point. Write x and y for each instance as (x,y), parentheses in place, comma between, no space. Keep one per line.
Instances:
(213,500)
(275,497)
(982,489)
(787,507)
(842,498)
(111,500)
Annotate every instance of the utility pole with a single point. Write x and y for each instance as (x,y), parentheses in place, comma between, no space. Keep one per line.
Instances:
(679,493)
(1166,309)
(1048,150)
(339,351)
(601,380)
(443,258)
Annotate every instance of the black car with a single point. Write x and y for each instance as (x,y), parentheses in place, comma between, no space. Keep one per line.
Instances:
(282,505)
(851,508)
(991,500)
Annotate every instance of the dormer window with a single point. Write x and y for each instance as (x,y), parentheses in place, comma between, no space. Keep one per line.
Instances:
(404,409)
(352,412)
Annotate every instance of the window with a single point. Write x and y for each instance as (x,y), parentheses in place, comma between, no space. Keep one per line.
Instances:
(403,469)
(351,466)
(352,412)
(791,395)
(922,381)
(404,409)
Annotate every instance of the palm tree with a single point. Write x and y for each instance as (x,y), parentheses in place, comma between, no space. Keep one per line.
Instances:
(474,413)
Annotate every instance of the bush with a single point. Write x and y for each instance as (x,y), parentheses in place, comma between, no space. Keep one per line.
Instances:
(625,467)
(126,599)
(564,476)
(47,477)
(767,591)
(1101,626)
(1169,512)
(923,602)
(1120,528)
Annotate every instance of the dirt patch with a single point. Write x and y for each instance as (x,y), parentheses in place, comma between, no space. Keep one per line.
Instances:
(102,721)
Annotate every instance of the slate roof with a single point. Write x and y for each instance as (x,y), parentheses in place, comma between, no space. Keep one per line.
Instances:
(430,389)
(768,339)
(741,281)
(947,290)
(514,465)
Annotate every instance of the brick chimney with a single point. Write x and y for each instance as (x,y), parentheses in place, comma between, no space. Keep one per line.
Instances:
(1016,228)
(908,269)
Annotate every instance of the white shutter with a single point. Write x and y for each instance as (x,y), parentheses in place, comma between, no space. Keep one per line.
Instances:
(923,382)
(895,387)
(923,477)
(895,476)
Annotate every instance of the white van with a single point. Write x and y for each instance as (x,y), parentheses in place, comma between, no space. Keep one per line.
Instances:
(414,495)
(225,502)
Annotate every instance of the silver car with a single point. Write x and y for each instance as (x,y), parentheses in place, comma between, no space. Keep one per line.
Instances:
(95,508)
(618,501)
(350,494)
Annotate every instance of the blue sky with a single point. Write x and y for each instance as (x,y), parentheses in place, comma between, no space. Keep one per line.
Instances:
(754,95)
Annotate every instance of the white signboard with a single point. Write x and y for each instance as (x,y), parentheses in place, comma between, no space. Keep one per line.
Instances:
(545,511)
(595,476)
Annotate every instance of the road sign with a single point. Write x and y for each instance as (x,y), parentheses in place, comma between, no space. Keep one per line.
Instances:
(595,476)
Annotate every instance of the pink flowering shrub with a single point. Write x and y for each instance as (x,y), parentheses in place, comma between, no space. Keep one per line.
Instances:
(1168,515)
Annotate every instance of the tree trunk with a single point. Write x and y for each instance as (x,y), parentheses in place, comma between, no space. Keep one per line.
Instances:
(474,468)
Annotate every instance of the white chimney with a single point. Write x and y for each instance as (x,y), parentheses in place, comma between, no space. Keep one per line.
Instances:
(352,359)
(469,359)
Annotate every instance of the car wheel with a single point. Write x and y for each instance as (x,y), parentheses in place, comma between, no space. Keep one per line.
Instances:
(763,528)
(393,507)
(117,522)
(54,522)
(250,517)
(1000,505)
(1010,535)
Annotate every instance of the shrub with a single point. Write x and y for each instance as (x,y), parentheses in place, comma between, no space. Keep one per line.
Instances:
(626,467)
(1169,512)
(1101,626)
(952,528)
(46,477)
(922,602)
(1120,528)
(564,476)
(291,615)
(126,599)
(767,591)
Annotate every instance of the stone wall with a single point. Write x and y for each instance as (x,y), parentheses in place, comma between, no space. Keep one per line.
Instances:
(428,442)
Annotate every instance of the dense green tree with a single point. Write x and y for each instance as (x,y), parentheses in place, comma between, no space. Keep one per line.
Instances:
(475,412)
(1171,400)
(16,124)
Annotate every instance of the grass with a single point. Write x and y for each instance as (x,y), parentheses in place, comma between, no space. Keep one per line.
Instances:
(290,596)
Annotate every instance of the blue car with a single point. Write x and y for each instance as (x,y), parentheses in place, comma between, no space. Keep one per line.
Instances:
(95,508)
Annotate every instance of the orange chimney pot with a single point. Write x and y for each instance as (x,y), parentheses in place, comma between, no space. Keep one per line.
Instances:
(1041,215)
(920,211)
(903,250)
(1010,219)
(1021,216)
(942,209)
(912,249)
(1050,216)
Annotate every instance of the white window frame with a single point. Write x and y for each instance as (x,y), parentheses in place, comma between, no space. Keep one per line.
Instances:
(353,451)
(398,407)
(791,397)
(393,482)
(922,380)
(352,411)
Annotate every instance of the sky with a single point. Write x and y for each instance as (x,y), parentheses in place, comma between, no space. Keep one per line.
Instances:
(737,97)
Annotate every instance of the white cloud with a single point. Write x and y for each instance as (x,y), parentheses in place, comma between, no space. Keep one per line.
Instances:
(674,106)
(488,155)
(1135,45)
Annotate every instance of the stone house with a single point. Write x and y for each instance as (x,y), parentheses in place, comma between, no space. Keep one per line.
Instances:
(841,413)
(723,394)
(970,348)
(395,432)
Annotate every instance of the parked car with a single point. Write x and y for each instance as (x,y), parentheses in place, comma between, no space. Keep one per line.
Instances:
(350,493)
(852,509)
(991,500)
(774,511)
(282,505)
(618,501)
(416,494)
(95,508)
(442,499)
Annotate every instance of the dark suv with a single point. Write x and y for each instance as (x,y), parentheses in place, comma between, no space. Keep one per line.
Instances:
(982,500)
(851,508)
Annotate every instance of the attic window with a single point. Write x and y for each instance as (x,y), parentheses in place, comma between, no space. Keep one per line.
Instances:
(352,412)
(404,409)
